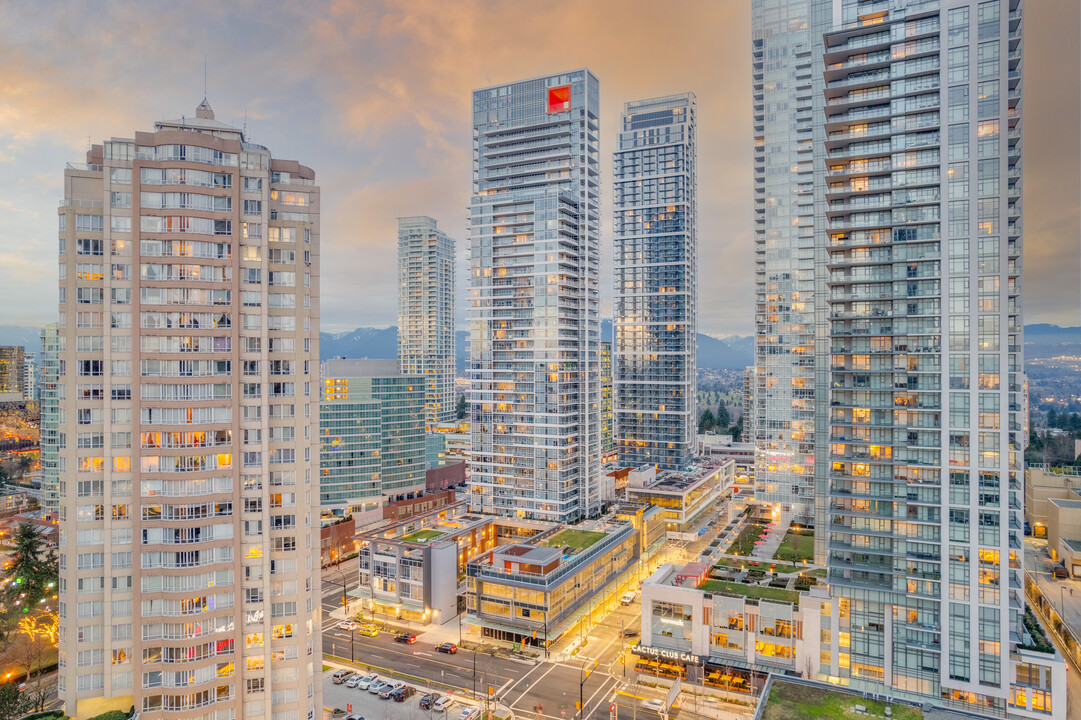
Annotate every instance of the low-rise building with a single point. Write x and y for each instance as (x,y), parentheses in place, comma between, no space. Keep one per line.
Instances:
(558,584)
(684,497)
(411,567)
(1042,484)
(722,447)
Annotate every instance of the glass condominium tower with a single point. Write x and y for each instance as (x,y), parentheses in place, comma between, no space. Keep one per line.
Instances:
(426,312)
(783,396)
(534,298)
(655,232)
(188,343)
(921,225)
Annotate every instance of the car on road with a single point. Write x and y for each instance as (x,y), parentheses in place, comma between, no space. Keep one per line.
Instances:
(629,632)
(403,693)
(348,625)
(628,597)
(366,681)
(426,701)
(353,681)
(406,638)
(390,687)
(376,686)
(653,704)
(469,713)
(443,703)
(448,648)
(368,630)
(341,676)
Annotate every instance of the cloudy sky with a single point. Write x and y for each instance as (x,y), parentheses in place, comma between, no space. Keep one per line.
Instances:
(375,97)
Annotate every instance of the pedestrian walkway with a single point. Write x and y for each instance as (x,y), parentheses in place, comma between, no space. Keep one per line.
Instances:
(773,540)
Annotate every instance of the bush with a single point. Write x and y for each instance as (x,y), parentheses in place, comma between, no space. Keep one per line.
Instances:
(112,715)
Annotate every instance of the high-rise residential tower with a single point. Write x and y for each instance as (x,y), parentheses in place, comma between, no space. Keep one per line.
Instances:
(12,372)
(49,394)
(656,288)
(608,442)
(783,65)
(371,433)
(921,223)
(426,312)
(535,381)
(188,349)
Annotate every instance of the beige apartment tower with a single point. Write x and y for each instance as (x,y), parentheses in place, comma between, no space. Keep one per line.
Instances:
(188,354)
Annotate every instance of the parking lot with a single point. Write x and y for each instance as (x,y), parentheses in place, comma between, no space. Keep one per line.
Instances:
(372,707)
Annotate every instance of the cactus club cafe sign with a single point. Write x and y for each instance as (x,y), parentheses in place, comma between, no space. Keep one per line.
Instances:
(665,654)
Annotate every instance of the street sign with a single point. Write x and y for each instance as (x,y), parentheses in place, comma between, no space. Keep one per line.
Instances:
(349,707)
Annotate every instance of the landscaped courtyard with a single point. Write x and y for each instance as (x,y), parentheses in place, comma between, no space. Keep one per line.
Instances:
(797,546)
(755,592)
(746,539)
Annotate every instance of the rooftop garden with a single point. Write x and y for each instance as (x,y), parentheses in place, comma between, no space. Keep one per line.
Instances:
(794,700)
(746,539)
(422,536)
(753,592)
(797,546)
(576,540)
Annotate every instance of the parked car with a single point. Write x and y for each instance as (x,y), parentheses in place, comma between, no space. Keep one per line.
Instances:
(348,625)
(341,676)
(390,687)
(469,713)
(443,703)
(369,630)
(448,648)
(406,638)
(426,701)
(366,681)
(353,681)
(354,717)
(377,686)
(403,693)
(628,598)
(629,632)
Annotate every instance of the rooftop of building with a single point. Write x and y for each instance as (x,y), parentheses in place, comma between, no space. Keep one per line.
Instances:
(676,481)
(787,698)
(1066,503)
(533,554)
(1074,545)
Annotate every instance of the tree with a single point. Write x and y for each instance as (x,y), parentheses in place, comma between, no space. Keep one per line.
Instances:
(12,702)
(460,408)
(723,418)
(737,429)
(33,570)
(707,422)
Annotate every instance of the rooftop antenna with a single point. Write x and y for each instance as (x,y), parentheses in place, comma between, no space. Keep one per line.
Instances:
(245,122)
(204,76)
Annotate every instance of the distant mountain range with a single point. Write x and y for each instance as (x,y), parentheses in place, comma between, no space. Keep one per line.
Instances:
(730,353)
(734,352)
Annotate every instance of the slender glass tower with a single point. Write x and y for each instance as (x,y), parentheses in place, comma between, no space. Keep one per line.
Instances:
(783,396)
(426,312)
(656,287)
(534,298)
(189,516)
